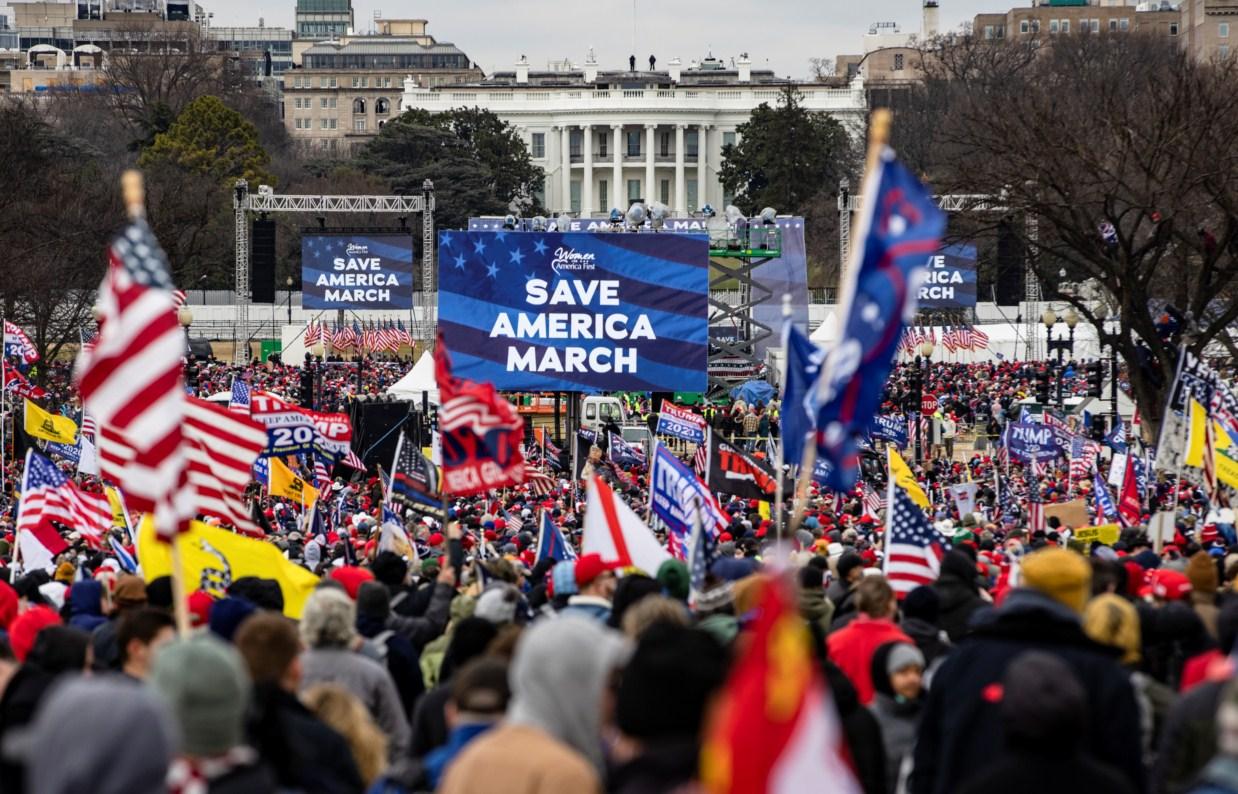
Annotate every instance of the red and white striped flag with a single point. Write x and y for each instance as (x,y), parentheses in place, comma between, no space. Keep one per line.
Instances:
(873,503)
(223,446)
(914,549)
(540,484)
(49,495)
(131,381)
(978,339)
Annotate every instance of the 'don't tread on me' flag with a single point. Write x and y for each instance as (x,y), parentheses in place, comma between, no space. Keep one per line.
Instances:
(900,227)
(48,426)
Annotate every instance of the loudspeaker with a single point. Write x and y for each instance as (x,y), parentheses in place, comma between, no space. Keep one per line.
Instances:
(373,429)
(262,261)
(1008,283)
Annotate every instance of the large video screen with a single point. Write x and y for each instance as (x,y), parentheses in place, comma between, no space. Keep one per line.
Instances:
(357,271)
(583,311)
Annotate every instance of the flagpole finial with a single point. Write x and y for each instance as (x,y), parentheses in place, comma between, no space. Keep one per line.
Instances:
(134,191)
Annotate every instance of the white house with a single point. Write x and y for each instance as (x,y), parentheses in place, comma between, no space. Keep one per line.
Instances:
(606,138)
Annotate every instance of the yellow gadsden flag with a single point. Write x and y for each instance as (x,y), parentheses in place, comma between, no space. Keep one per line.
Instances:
(288,485)
(48,426)
(904,479)
(214,558)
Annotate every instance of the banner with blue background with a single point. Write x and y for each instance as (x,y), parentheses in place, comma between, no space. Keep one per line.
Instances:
(581,311)
(353,271)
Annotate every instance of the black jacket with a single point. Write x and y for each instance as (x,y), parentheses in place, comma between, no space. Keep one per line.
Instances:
(663,767)
(927,637)
(1031,772)
(962,725)
(303,752)
(959,600)
(1189,739)
(861,731)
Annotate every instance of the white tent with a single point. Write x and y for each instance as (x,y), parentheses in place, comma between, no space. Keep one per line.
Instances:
(419,379)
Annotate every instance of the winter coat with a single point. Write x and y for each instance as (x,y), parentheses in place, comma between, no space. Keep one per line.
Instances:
(962,718)
(421,630)
(931,640)
(86,605)
(959,600)
(663,767)
(815,607)
(369,681)
(852,649)
(429,723)
(437,760)
(899,720)
(861,732)
(1189,739)
(400,658)
(520,759)
(304,753)
(1031,772)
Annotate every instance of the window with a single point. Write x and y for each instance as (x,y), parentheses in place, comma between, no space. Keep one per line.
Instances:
(324,124)
(1065,25)
(692,143)
(633,145)
(382,106)
(602,140)
(1001,31)
(692,196)
(328,102)
(358,106)
(1024,27)
(334,123)
(539,145)
(1096,26)
(988,32)
(573,144)
(1223,51)
(358,125)
(1173,28)
(1113,26)
(664,149)
(728,139)
(665,192)
(603,195)
(898,62)
(1035,25)
(1124,25)
(1223,30)
(1053,26)
(296,102)
(574,201)
(633,190)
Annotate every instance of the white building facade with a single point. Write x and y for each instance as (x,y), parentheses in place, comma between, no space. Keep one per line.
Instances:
(607,138)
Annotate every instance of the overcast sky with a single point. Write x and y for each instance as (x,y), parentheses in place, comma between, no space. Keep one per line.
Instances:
(777,34)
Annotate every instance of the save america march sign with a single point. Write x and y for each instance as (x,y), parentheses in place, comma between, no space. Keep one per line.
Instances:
(576,311)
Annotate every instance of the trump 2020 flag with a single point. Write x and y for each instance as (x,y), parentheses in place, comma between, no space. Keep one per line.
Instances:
(551,545)
(900,227)
(799,391)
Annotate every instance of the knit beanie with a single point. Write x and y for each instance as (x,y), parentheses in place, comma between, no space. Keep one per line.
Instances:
(1112,620)
(204,683)
(227,616)
(1201,569)
(922,603)
(1059,574)
(497,604)
(673,576)
(902,656)
(668,682)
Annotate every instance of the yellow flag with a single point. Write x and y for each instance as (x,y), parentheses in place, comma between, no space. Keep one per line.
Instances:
(904,479)
(214,558)
(1227,470)
(1198,416)
(763,509)
(48,426)
(285,483)
(119,517)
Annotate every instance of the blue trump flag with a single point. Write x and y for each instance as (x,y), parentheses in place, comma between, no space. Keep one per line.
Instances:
(551,545)
(799,391)
(900,227)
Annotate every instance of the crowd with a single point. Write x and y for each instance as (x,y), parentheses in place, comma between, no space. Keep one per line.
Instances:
(1033,662)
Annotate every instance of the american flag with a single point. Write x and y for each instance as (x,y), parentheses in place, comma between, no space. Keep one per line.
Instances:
(343,337)
(700,460)
(313,333)
(540,484)
(871,499)
(1210,460)
(49,495)
(239,401)
(86,337)
(949,339)
(223,446)
(514,521)
(913,547)
(178,298)
(405,336)
(90,428)
(978,339)
(353,461)
(322,476)
(131,381)
(1035,508)
(704,553)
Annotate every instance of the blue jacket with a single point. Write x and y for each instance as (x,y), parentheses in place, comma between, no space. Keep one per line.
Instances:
(86,605)
(436,760)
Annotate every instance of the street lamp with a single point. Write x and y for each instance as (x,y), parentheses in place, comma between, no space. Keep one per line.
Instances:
(1049,318)
(288,283)
(185,318)
(922,368)
(1101,310)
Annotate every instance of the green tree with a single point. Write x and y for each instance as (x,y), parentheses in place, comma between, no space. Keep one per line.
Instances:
(478,163)
(786,156)
(211,139)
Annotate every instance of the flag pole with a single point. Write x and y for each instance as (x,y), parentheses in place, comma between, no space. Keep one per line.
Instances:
(878,138)
(134,192)
(778,453)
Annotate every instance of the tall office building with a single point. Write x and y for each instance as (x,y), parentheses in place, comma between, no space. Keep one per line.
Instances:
(323,19)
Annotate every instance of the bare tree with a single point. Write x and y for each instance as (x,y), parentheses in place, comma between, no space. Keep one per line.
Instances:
(1125,151)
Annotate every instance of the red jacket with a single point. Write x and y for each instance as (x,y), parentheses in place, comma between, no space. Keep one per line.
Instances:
(852,648)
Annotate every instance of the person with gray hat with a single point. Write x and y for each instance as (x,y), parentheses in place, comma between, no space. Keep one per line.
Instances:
(898,671)
(205,684)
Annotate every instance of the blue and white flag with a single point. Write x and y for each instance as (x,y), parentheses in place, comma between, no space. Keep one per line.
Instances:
(1116,440)
(892,428)
(676,494)
(1104,502)
(623,453)
(1031,442)
(799,391)
(900,228)
(239,401)
(262,470)
(551,544)
(123,557)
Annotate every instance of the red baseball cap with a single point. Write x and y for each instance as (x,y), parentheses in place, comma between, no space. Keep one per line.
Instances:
(590,567)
